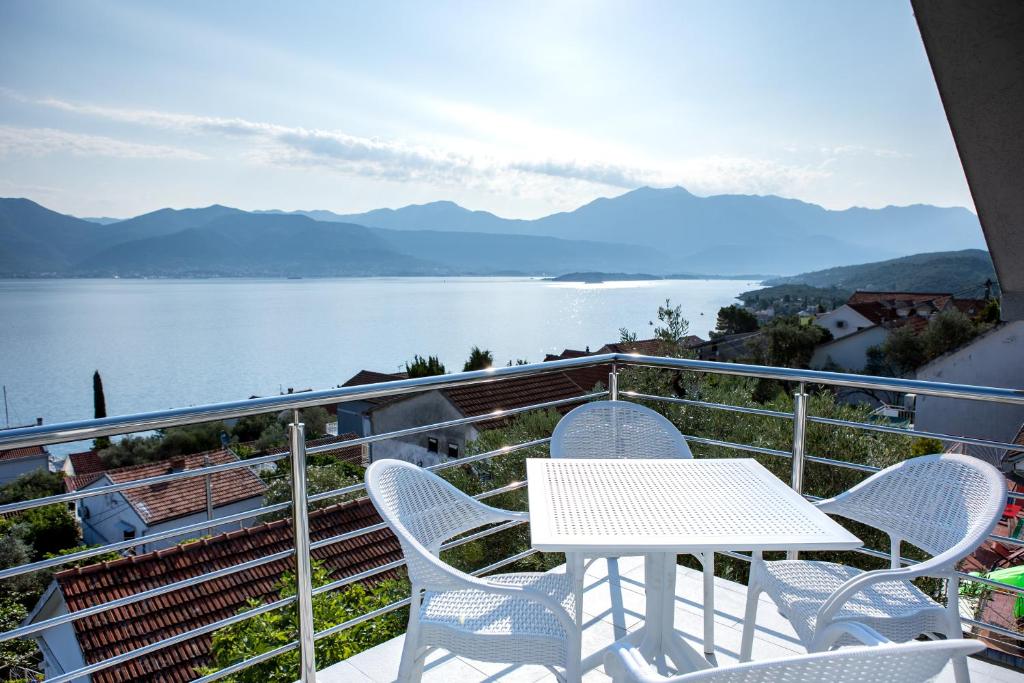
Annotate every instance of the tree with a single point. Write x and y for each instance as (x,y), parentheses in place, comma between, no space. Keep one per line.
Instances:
(424,367)
(734,320)
(321,477)
(946,331)
(785,342)
(99,404)
(48,530)
(273,629)
(315,419)
(20,651)
(902,352)
(35,484)
(479,359)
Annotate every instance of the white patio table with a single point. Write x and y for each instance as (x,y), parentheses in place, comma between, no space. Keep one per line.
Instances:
(663,508)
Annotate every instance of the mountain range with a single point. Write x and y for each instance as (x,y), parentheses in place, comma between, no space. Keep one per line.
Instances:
(647,230)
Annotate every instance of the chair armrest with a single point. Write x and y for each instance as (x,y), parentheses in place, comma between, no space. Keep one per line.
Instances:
(938,566)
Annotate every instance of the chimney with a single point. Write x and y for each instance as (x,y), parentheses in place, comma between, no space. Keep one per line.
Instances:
(178,463)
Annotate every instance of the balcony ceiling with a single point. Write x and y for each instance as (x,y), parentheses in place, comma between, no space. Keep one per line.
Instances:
(976,50)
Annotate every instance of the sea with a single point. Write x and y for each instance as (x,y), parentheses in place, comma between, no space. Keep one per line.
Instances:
(163,343)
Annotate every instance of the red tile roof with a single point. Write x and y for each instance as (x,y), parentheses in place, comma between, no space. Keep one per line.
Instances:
(86,462)
(26,452)
(352,454)
(163,502)
(939,298)
(371,377)
(123,629)
(479,399)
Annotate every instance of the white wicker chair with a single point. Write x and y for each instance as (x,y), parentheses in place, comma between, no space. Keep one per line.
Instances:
(621,429)
(889,663)
(524,618)
(945,505)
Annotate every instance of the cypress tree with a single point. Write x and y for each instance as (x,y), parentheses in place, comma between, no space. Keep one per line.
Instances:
(99,404)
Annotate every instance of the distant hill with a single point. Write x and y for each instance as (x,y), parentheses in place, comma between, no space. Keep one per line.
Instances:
(657,231)
(102,220)
(718,234)
(961,272)
(222,241)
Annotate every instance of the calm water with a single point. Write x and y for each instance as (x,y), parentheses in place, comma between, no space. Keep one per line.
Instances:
(169,343)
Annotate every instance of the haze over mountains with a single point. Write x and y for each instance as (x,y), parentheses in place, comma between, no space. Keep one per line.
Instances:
(647,230)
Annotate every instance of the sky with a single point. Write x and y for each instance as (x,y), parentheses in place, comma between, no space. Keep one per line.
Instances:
(519,108)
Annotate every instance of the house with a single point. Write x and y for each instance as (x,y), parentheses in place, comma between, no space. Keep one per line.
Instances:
(995,359)
(148,510)
(100,636)
(15,462)
(867,318)
(442,405)
(354,416)
(84,462)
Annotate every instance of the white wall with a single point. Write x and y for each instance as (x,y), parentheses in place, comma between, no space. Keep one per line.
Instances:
(842,321)
(849,352)
(12,469)
(103,517)
(61,651)
(995,359)
(422,409)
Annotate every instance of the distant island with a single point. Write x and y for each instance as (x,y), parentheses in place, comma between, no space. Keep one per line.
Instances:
(594,278)
(598,278)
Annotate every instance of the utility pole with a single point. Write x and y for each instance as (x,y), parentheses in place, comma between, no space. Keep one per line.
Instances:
(7,413)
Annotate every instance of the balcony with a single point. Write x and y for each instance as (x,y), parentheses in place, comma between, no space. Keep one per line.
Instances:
(156,620)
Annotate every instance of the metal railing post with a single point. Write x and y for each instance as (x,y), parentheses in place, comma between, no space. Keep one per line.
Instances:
(799,445)
(303,568)
(613,383)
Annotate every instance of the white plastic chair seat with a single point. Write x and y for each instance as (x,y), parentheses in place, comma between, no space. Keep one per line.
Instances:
(488,624)
(896,609)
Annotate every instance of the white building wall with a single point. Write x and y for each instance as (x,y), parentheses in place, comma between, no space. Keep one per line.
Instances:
(59,645)
(849,352)
(842,321)
(12,469)
(418,410)
(995,359)
(105,517)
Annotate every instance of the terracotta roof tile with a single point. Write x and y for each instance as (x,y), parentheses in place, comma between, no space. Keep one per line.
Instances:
(86,462)
(352,454)
(479,399)
(123,629)
(26,452)
(163,502)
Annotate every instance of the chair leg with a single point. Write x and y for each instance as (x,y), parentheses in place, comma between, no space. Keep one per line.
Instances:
(574,659)
(577,572)
(410,669)
(955,629)
(750,613)
(708,562)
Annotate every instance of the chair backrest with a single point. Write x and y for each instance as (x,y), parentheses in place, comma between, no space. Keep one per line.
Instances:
(423,510)
(936,502)
(617,429)
(914,662)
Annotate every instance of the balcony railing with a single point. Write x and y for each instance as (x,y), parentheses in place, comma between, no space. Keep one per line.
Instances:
(298,506)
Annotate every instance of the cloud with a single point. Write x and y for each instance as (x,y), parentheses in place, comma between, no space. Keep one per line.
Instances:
(36,142)
(460,163)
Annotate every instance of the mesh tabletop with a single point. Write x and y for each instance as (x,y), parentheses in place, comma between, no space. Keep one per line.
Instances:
(615,505)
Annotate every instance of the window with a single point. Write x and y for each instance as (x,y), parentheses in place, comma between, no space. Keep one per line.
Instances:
(453,450)
(840,324)
(432,444)
(129,534)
